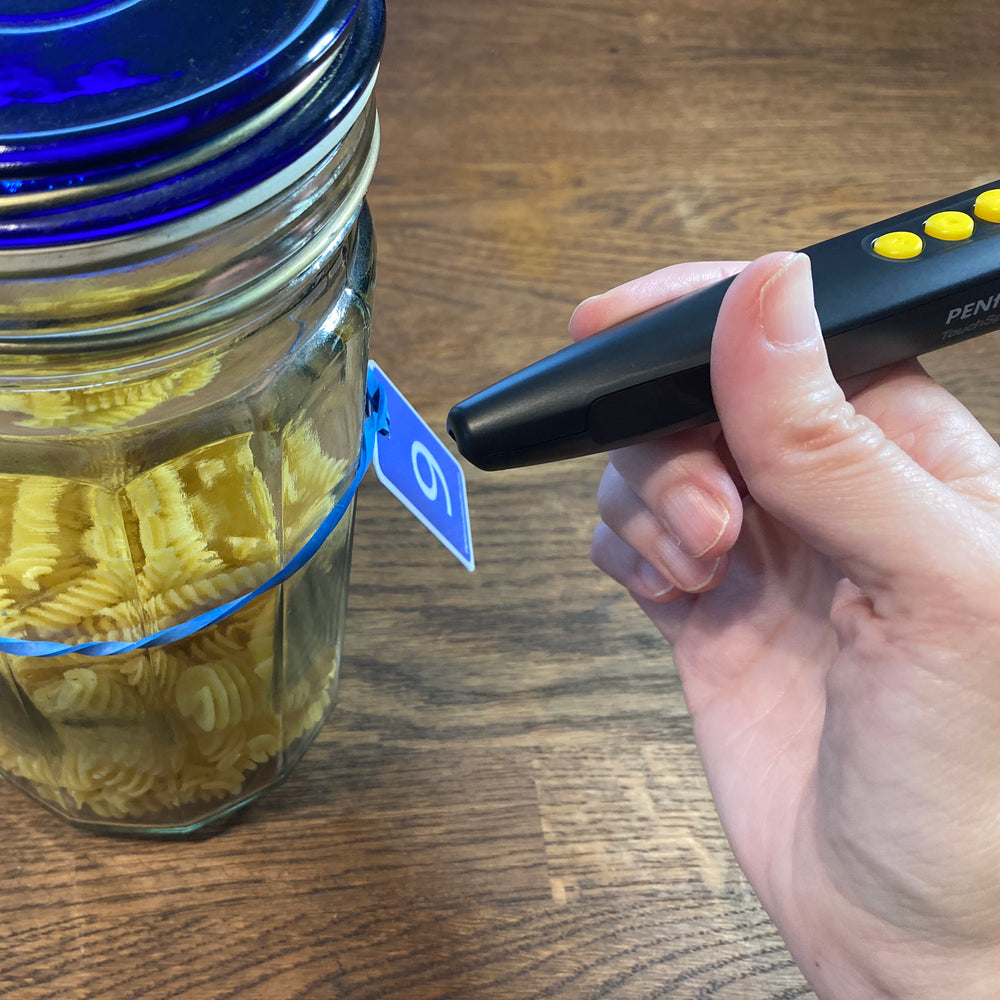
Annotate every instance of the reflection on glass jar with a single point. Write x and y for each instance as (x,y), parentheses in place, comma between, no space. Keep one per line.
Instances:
(180,406)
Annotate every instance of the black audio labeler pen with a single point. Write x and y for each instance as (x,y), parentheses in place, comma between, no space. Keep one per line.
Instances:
(899,288)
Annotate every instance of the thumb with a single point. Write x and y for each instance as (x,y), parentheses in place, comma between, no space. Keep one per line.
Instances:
(810,459)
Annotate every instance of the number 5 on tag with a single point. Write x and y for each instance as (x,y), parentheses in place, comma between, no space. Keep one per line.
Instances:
(416,467)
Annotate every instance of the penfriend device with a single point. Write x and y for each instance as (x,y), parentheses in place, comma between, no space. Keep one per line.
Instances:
(890,291)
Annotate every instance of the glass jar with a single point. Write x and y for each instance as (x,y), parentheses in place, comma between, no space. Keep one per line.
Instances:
(186,270)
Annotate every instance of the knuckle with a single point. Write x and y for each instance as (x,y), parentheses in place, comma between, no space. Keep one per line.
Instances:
(834,438)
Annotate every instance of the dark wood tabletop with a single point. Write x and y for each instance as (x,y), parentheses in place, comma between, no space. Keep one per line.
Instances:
(508,803)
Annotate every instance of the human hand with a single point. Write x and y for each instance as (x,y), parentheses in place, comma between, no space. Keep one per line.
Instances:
(826,569)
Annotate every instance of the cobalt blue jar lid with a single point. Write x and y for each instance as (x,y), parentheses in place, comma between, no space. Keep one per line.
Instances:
(116,114)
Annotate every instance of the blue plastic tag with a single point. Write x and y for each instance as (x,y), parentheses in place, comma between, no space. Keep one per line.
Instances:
(416,467)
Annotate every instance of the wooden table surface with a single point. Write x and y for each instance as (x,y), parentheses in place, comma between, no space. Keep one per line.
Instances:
(508,803)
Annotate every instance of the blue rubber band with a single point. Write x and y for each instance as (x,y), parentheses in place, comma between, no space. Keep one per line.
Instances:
(376,422)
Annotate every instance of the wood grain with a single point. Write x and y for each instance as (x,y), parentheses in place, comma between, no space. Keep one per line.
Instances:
(508,803)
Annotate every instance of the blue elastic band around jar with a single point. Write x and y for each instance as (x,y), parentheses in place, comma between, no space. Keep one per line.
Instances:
(376,421)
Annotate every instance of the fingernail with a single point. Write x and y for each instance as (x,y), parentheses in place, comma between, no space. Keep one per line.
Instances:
(585,304)
(653,581)
(697,519)
(787,313)
(688,574)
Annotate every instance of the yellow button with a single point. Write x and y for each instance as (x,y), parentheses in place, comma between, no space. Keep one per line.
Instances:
(949,226)
(988,205)
(898,246)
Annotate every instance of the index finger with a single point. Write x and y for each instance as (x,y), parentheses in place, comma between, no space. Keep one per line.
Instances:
(601,311)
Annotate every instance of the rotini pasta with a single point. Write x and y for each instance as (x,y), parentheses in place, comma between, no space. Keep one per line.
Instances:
(156,732)
(84,693)
(102,406)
